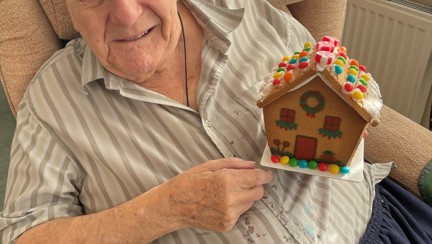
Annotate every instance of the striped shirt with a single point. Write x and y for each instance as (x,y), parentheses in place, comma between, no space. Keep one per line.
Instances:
(87,140)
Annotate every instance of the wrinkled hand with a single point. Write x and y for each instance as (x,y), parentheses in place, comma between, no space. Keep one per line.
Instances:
(214,194)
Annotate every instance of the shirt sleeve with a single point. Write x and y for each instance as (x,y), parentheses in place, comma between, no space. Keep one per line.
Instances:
(43,182)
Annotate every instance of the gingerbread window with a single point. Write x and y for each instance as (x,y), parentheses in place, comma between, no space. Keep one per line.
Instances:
(332,123)
(287,115)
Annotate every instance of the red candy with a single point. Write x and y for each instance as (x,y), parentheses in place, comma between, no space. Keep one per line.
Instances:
(348,86)
(276,82)
(323,167)
(303,65)
(343,54)
(362,88)
(290,67)
(363,68)
(282,64)
(275,158)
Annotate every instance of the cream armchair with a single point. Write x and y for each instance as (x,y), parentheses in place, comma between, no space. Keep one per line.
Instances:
(31,31)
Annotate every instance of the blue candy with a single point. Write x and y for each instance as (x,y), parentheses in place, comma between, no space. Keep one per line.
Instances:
(351,78)
(303,163)
(344,170)
(337,69)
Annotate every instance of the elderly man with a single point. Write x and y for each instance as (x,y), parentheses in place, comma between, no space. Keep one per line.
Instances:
(146,129)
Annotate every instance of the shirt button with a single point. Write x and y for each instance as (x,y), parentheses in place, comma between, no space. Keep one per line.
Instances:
(207,123)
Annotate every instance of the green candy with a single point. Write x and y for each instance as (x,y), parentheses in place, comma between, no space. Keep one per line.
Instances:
(354,67)
(293,162)
(342,59)
(313,164)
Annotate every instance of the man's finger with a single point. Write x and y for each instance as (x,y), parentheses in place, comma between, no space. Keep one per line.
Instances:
(228,163)
(249,178)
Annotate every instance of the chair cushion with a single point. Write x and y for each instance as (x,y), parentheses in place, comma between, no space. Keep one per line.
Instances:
(321,17)
(59,17)
(26,42)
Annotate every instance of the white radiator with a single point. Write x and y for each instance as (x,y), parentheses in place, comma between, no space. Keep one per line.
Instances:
(394,42)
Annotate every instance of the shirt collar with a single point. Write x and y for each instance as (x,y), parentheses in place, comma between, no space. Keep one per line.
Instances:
(217,22)
(91,68)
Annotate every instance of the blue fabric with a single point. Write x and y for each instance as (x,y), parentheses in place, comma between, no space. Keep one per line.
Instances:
(398,217)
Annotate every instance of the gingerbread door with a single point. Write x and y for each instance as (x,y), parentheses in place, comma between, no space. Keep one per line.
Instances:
(305,147)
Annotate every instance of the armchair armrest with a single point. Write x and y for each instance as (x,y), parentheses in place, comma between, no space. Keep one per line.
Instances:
(408,145)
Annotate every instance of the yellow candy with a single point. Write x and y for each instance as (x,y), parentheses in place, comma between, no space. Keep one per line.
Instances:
(296,56)
(284,160)
(308,44)
(334,169)
(339,62)
(286,58)
(357,95)
(365,77)
(277,75)
(353,71)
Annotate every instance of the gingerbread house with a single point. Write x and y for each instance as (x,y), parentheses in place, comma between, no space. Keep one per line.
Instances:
(317,104)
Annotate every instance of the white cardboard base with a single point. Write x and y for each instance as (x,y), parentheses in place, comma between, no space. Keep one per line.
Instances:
(355,174)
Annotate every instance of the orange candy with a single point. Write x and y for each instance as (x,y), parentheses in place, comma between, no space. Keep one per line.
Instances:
(343,49)
(354,62)
(303,54)
(288,76)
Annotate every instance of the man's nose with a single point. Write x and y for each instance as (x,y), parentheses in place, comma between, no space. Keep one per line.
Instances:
(124,12)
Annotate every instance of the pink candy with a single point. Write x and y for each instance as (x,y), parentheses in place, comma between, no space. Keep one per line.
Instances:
(324,58)
(325,46)
(332,40)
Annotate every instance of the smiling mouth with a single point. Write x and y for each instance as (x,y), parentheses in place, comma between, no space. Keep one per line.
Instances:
(137,37)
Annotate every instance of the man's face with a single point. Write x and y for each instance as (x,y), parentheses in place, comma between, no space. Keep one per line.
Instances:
(131,38)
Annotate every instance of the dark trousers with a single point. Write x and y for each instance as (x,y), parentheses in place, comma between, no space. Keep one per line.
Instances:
(398,217)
